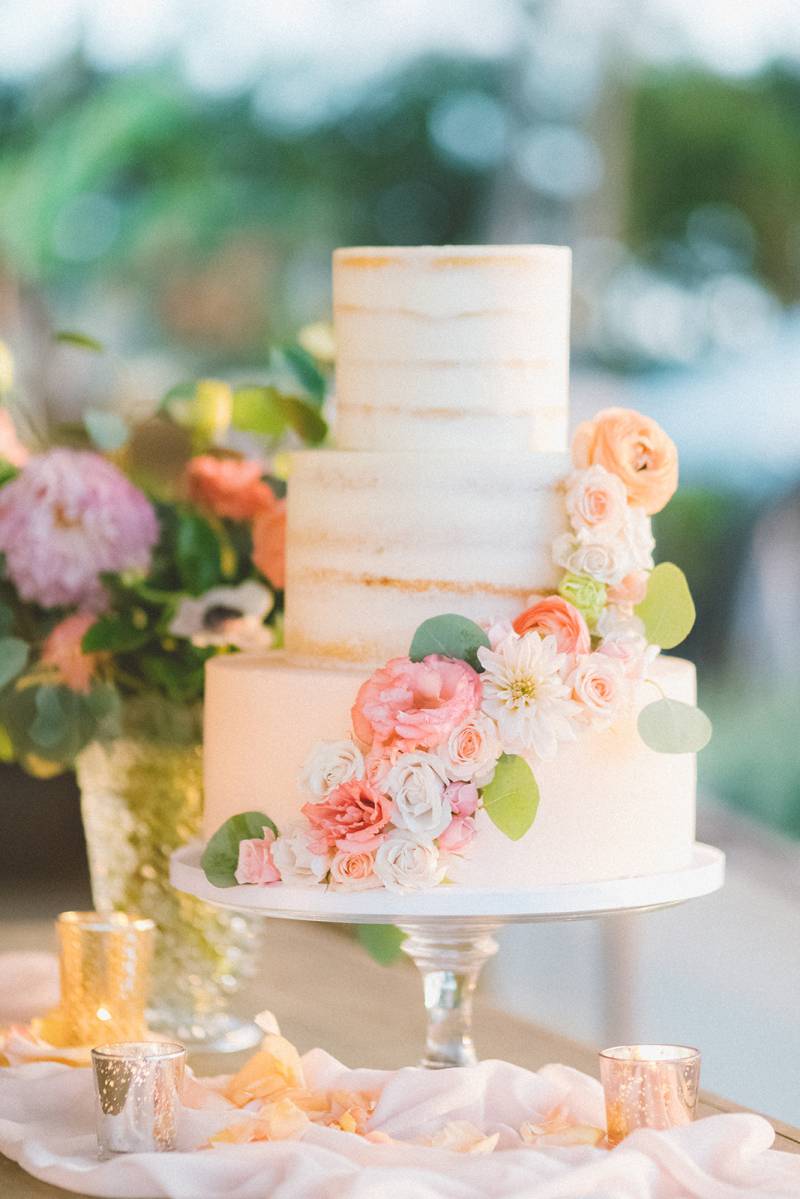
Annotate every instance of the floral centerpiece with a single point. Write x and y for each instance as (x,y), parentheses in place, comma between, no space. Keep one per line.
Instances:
(129,557)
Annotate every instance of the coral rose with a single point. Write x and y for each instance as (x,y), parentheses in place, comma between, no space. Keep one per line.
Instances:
(633,447)
(556,616)
(62,649)
(415,705)
(269,543)
(230,487)
(352,817)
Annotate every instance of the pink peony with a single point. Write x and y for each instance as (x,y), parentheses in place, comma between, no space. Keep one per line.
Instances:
(269,544)
(69,516)
(462,798)
(631,591)
(230,487)
(62,649)
(352,817)
(458,835)
(558,617)
(11,448)
(415,705)
(255,863)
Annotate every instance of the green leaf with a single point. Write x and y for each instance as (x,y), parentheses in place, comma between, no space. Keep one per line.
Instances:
(304,419)
(7,471)
(114,634)
(381,941)
(449,635)
(50,724)
(221,855)
(82,340)
(668,609)
(6,620)
(511,799)
(258,409)
(198,554)
(107,430)
(306,371)
(671,727)
(13,658)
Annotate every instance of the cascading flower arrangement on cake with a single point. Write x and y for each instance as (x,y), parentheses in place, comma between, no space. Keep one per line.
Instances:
(458,726)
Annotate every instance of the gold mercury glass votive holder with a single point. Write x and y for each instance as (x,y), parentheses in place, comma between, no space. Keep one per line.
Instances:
(648,1086)
(105,976)
(138,1088)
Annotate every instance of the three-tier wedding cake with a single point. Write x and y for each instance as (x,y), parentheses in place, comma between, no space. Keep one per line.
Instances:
(470,690)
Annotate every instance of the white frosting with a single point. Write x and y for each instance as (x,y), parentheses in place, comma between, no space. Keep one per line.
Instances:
(378,542)
(609,808)
(452,346)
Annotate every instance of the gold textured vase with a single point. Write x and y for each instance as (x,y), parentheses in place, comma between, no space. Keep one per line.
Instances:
(141,798)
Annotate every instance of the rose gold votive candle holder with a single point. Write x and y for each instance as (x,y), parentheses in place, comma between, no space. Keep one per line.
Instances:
(105,976)
(138,1088)
(648,1086)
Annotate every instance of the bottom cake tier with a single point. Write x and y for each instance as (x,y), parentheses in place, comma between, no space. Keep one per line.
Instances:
(609,806)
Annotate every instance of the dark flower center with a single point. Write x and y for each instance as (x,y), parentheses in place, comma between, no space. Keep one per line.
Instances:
(218,615)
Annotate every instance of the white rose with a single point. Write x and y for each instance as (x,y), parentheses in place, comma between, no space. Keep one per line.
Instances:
(354,871)
(598,553)
(596,499)
(601,686)
(403,863)
(639,539)
(296,861)
(471,751)
(614,621)
(416,784)
(330,764)
(626,644)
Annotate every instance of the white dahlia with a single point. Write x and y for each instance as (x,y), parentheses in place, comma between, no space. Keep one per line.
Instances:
(524,692)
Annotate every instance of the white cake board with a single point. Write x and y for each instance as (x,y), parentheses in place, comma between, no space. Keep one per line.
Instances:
(705,874)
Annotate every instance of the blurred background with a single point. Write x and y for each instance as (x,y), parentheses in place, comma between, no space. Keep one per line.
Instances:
(174,176)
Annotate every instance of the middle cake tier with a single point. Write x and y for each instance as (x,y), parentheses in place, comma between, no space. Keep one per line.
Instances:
(379,542)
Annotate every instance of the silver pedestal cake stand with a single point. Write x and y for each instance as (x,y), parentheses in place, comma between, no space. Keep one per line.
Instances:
(450,930)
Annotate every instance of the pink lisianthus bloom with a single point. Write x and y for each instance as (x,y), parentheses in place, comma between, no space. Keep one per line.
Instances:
(11,448)
(230,487)
(630,592)
(69,516)
(269,543)
(458,835)
(462,798)
(352,817)
(255,865)
(553,615)
(62,649)
(415,705)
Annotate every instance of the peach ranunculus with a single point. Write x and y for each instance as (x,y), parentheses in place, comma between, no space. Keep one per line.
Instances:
(415,705)
(230,487)
(269,543)
(633,447)
(557,617)
(352,817)
(62,649)
(11,448)
(255,864)
(631,591)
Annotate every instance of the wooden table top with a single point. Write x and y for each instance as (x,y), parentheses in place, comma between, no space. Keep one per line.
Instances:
(326,992)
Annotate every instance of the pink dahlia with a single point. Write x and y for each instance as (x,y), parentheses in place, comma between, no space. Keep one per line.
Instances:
(69,516)
(415,705)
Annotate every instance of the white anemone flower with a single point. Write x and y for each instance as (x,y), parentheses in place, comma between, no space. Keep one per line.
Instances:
(525,693)
(226,616)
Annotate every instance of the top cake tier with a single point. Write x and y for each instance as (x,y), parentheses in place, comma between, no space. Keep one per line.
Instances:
(452,347)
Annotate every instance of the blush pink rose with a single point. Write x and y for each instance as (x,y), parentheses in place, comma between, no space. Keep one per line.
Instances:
(255,865)
(458,835)
(354,871)
(633,447)
(462,798)
(269,544)
(631,591)
(596,499)
(557,617)
(62,649)
(230,487)
(415,705)
(352,817)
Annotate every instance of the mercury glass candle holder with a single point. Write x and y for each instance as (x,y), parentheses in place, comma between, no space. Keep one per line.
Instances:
(105,976)
(648,1086)
(138,1089)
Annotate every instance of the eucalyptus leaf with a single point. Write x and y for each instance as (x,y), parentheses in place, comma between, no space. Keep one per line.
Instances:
(304,419)
(49,727)
(198,554)
(6,620)
(382,941)
(221,855)
(107,430)
(82,340)
(671,727)
(13,658)
(511,799)
(258,409)
(306,371)
(451,636)
(667,610)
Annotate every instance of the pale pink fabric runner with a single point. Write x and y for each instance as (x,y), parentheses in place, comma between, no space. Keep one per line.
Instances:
(47,1124)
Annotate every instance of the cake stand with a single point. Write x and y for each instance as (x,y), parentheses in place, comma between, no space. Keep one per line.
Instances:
(450,930)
